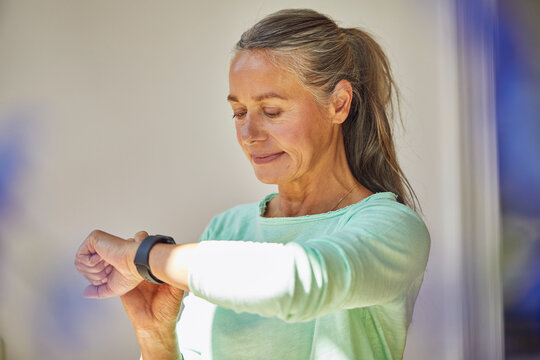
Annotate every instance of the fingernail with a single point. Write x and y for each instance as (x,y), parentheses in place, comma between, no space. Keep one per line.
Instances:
(108,270)
(104,281)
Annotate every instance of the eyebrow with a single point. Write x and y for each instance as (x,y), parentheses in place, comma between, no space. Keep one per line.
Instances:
(259,98)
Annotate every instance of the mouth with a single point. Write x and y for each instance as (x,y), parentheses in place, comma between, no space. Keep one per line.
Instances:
(265,158)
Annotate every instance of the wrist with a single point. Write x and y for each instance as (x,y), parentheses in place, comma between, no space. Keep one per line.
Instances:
(133,247)
(158,343)
(171,263)
(141,259)
(154,329)
(157,333)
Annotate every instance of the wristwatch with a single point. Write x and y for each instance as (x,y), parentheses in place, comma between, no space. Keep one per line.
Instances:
(141,257)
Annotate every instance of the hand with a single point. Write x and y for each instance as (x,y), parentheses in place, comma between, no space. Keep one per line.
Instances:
(107,262)
(152,306)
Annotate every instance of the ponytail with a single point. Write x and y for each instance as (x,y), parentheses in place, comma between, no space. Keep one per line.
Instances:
(367,132)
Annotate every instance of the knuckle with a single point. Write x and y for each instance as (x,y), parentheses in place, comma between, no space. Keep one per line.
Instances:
(141,233)
(95,234)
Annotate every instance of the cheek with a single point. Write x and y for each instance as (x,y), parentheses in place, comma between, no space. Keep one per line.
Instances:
(296,142)
(238,129)
(238,132)
(239,137)
(296,135)
(307,141)
(241,143)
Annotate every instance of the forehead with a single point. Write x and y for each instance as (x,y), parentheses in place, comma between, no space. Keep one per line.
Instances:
(252,59)
(253,72)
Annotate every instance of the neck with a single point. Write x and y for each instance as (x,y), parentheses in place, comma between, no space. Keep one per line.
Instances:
(329,187)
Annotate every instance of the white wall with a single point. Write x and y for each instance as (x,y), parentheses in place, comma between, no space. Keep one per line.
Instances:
(117,110)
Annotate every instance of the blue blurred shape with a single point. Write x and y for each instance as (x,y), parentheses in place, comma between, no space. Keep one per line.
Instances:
(13,148)
(518,120)
(517,59)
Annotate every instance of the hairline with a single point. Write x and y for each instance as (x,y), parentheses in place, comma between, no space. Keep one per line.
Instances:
(280,59)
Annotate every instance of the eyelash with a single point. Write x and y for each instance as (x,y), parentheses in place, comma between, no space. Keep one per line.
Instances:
(238,115)
(242,114)
(273,115)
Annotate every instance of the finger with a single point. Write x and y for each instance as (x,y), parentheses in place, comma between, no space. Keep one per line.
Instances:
(85,269)
(97,282)
(100,266)
(99,242)
(97,276)
(85,248)
(89,259)
(88,245)
(98,292)
(90,292)
(140,236)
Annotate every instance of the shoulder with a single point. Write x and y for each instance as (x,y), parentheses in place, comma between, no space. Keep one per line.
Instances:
(382,216)
(386,205)
(230,220)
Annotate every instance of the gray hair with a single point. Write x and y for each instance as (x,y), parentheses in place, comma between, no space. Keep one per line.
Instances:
(320,54)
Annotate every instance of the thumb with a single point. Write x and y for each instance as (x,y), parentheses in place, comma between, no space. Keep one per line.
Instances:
(98,292)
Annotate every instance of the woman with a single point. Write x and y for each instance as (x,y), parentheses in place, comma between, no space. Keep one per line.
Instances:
(328,268)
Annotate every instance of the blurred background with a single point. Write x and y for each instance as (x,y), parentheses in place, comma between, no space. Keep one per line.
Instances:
(517,59)
(113,116)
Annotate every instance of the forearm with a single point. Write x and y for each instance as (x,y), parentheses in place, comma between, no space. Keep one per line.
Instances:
(170,263)
(158,345)
(302,281)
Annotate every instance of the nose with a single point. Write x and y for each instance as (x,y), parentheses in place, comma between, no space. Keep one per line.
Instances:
(251,129)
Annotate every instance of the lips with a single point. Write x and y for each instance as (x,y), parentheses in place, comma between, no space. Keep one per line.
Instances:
(265,158)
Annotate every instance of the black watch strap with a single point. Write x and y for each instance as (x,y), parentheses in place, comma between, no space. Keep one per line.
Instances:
(141,257)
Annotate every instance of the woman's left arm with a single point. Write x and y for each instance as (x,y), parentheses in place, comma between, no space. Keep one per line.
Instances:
(373,259)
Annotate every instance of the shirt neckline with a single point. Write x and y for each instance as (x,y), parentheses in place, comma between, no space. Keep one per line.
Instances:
(263,203)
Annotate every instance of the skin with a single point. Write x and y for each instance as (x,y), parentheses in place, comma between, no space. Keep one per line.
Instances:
(289,139)
(107,262)
(275,115)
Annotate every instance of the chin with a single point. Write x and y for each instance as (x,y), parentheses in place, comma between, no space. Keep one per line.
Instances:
(268,178)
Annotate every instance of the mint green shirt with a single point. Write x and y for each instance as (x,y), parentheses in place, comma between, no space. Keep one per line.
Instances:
(337,285)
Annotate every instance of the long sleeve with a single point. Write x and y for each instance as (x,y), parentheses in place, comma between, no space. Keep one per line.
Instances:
(371,259)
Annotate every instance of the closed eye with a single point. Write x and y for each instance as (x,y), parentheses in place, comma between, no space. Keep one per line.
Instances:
(239,115)
(272,114)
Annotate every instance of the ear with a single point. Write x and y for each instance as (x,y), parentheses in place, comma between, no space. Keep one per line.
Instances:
(340,103)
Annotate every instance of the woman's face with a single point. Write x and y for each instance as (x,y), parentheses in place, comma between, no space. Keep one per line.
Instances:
(284,133)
